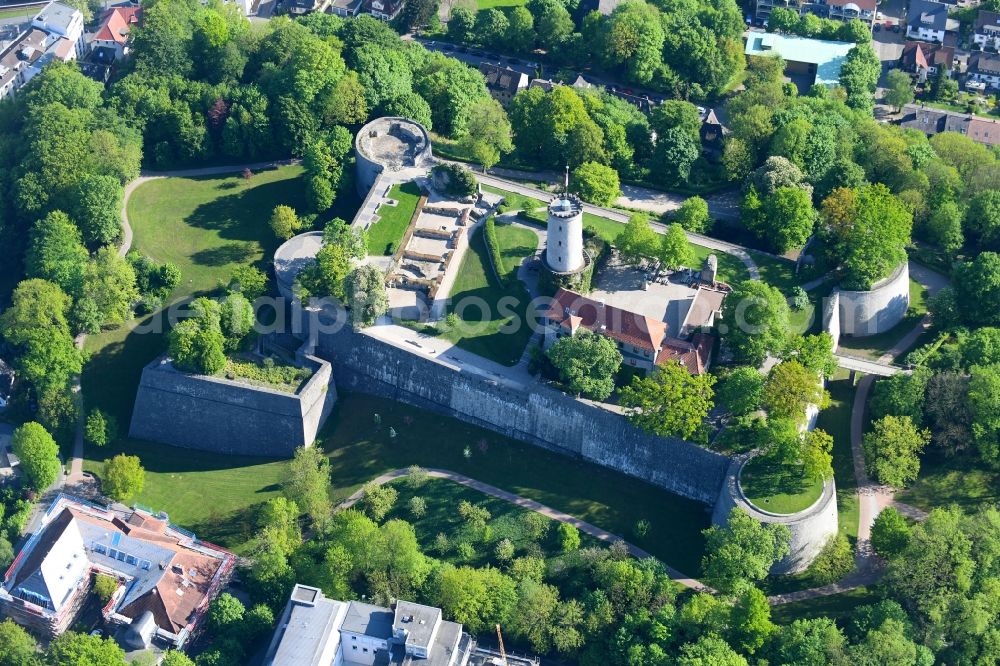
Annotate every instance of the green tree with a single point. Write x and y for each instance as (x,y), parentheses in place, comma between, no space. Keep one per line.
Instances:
(280,516)
(755,320)
(309,484)
(741,390)
(236,319)
(874,244)
(378,500)
(175,658)
(197,344)
(249,281)
(709,650)
(477,598)
(890,533)
(568,536)
(750,620)
(693,215)
(17,647)
(789,390)
(104,587)
(634,37)
(901,395)
(56,252)
(97,209)
(671,402)
(586,363)
(977,290)
(487,132)
(285,223)
(675,113)
(520,30)
(38,453)
(461,24)
(328,275)
(785,220)
(984,407)
(944,227)
(36,326)
(418,14)
(810,642)
(675,251)
(84,650)
(225,614)
(367,295)
(859,76)
(982,219)
(899,89)
(675,153)
(100,428)
(835,561)
(637,240)
(596,183)
(816,453)
(109,284)
(742,552)
(123,477)
(892,449)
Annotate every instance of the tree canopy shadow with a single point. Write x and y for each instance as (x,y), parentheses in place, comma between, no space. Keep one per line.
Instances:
(230,253)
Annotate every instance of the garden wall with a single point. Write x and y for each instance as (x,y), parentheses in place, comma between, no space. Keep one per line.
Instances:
(534,414)
(225,416)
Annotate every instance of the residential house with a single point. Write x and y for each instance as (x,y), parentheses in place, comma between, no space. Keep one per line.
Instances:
(842,10)
(986,31)
(924,58)
(346,8)
(807,61)
(8,461)
(116,26)
(299,7)
(387,10)
(62,21)
(316,631)
(545,84)
(503,82)
(166,576)
(712,134)
(643,341)
(930,22)
(932,121)
(984,68)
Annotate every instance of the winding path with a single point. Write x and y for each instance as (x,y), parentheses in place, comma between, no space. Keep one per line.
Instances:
(531,505)
(76,477)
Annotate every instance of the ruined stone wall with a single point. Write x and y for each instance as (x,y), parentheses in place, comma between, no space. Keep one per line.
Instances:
(535,414)
(214,414)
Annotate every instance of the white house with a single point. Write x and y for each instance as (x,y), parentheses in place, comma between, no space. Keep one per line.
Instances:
(987,30)
(63,21)
(56,33)
(929,21)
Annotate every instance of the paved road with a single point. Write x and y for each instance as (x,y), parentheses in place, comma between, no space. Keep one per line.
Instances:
(712,243)
(531,505)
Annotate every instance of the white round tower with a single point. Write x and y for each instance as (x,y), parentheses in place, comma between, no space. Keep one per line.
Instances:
(564,249)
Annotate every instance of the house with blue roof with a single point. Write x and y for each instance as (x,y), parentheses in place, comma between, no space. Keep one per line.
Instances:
(807,61)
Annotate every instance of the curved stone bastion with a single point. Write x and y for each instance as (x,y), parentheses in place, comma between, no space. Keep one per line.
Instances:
(295,254)
(865,313)
(389,143)
(811,528)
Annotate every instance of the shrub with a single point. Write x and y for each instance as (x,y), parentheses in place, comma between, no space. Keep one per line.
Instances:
(378,500)
(490,231)
(284,222)
(835,561)
(466,551)
(100,428)
(799,299)
(569,537)
(890,533)
(418,507)
(641,528)
(104,587)
(458,180)
(123,477)
(504,550)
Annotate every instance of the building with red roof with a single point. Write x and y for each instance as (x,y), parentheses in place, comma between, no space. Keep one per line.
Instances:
(116,27)
(643,341)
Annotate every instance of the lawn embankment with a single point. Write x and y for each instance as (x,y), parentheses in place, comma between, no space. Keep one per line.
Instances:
(385,235)
(778,488)
(494,317)
(207,226)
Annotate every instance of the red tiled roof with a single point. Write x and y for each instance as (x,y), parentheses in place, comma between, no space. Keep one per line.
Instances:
(984,131)
(571,310)
(628,327)
(117,24)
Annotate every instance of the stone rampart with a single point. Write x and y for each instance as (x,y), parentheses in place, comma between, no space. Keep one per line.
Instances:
(225,416)
(810,528)
(535,414)
(864,313)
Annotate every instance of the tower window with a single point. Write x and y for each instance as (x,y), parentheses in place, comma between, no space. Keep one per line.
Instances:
(560,243)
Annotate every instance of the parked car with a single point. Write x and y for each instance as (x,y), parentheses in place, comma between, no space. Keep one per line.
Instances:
(895,28)
(878,27)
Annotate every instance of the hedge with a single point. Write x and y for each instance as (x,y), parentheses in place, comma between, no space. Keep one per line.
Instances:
(490,229)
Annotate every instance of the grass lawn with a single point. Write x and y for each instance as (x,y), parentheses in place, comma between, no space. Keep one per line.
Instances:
(443,496)
(835,606)
(875,346)
(514,201)
(208,226)
(836,421)
(498,337)
(28,12)
(360,449)
(384,236)
(962,480)
(214,494)
(490,4)
(778,488)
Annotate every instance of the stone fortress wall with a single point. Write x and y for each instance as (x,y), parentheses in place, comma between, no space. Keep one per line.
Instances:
(810,529)
(865,313)
(535,414)
(388,143)
(225,416)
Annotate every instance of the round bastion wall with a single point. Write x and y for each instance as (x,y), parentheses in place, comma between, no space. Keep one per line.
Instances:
(292,256)
(865,313)
(389,143)
(810,528)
